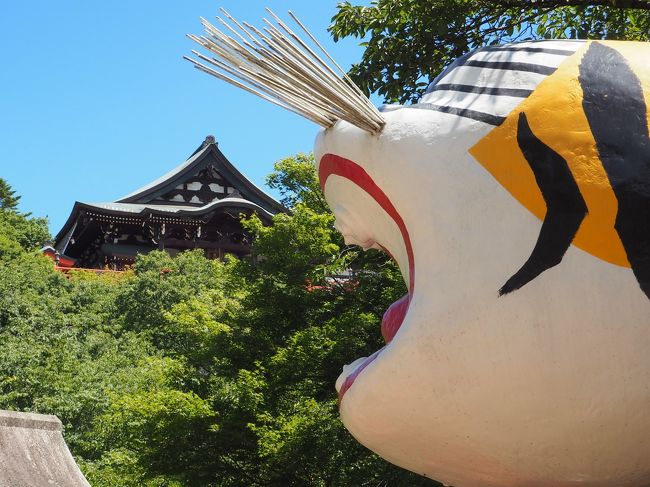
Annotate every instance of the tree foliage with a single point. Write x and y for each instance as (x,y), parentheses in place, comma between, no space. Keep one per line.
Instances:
(296,180)
(8,197)
(409,42)
(18,231)
(192,372)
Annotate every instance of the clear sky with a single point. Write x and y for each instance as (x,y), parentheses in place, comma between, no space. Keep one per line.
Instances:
(96,100)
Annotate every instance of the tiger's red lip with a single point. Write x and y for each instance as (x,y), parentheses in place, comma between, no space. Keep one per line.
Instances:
(394,317)
(390,324)
(349,380)
(331,164)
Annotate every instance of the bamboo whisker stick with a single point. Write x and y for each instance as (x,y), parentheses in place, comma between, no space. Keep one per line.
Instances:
(267,86)
(315,41)
(315,56)
(278,66)
(227,79)
(348,100)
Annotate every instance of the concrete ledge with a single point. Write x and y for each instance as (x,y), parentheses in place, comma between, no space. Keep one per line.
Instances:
(33,452)
(30,420)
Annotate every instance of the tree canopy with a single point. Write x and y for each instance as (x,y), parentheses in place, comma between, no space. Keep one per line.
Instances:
(8,198)
(19,232)
(186,371)
(408,42)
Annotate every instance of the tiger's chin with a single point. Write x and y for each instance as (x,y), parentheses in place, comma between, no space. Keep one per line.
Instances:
(474,388)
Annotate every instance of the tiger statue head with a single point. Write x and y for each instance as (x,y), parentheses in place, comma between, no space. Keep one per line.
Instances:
(515,198)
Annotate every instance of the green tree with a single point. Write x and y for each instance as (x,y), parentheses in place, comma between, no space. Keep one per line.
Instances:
(8,198)
(294,177)
(27,232)
(307,325)
(409,42)
(191,372)
(18,230)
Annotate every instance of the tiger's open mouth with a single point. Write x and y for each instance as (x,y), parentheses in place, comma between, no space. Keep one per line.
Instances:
(333,165)
(390,324)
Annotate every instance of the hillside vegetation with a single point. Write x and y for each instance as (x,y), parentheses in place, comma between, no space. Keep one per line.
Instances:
(193,372)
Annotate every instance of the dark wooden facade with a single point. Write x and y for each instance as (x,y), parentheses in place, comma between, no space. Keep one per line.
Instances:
(199,204)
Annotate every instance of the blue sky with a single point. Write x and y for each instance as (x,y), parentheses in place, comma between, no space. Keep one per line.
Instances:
(97,100)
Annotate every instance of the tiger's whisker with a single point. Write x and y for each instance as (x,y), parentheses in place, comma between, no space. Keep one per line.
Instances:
(279,67)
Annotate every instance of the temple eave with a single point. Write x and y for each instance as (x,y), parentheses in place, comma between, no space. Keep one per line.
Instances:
(199,205)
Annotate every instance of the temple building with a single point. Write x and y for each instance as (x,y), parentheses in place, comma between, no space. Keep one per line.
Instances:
(197,205)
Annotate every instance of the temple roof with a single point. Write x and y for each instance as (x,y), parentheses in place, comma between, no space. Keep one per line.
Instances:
(207,161)
(129,209)
(207,181)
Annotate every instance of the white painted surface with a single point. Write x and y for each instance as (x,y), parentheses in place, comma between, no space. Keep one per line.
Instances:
(500,106)
(472,75)
(541,58)
(548,386)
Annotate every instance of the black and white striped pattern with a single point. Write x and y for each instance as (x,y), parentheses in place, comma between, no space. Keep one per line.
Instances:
(487,84)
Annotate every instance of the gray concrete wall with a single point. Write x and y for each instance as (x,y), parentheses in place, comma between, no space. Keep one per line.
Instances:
(33,452)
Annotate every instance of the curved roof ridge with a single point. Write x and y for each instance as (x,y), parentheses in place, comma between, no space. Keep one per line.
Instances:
(169,175)
(140,208)
(208,153)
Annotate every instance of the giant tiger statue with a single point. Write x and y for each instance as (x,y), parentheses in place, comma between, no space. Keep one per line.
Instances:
(515,198)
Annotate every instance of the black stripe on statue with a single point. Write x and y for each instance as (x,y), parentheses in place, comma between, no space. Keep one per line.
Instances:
(456,64)
(565,207)
(482,90)
(488,118)
(615,108)
(461,61)
(512,66)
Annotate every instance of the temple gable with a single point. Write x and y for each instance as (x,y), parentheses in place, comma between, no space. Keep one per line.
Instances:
(198,204)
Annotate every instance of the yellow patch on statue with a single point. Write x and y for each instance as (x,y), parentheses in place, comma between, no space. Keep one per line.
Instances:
(556,116)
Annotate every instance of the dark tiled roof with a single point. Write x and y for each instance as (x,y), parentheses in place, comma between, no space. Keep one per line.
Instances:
(148,200)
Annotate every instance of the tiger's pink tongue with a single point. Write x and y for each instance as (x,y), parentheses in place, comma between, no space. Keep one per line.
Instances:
(393,317)
(390,323)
